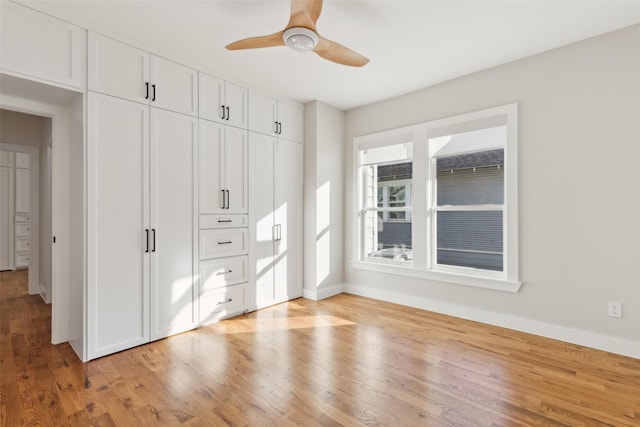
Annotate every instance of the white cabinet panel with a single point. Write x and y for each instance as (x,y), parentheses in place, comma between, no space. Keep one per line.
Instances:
(173,86)
(223,242)
(22,160)
(22,190)
(23,244)
(7,189)
(291,122)
(38,46)
(6,158)
(222,169)
(118,69)
(118,282)
(173,139)
(221,272)
(263,114)
(224,302)
(124,71)
(222,102)
(22,260)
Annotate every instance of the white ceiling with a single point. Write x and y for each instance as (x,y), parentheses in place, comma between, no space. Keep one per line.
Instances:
(411,44)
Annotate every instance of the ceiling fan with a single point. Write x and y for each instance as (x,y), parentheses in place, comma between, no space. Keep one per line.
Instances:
(301,35)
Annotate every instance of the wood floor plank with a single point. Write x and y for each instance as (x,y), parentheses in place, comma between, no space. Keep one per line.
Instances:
(344,361)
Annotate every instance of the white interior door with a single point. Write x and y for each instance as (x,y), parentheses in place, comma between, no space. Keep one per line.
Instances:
(288,219)
(6,218)
(173,139)
(118,285)
(261,156)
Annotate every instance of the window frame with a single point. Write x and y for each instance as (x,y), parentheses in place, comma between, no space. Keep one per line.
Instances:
(423,193)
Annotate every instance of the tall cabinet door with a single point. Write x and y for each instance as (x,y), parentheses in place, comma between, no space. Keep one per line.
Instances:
(262,150)
(118,197)
(210,154)
(235,169)
(6,216)
(173,139)
(288,220)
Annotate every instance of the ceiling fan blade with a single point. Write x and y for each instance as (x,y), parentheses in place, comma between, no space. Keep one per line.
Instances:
(258,42)
(305,13)
(337,53)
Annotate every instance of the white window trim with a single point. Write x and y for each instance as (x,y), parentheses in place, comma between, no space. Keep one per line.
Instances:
(422,267)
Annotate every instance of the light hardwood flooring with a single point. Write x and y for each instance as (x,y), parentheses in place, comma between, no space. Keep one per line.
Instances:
(347,361)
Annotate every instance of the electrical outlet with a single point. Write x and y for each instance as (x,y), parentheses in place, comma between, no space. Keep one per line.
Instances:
(615,309)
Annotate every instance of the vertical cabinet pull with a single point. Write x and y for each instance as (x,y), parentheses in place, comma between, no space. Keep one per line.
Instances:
(146,232)
(223,200)
(276,128)
(228,113)
(154,240)
(154,92)
(228,199)
(223,110)
(146,84)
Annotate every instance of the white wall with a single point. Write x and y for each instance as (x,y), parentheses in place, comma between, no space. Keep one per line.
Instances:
(323,201)
(579,170)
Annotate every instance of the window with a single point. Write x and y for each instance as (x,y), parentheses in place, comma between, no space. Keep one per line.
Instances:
(439,200)
(386,195)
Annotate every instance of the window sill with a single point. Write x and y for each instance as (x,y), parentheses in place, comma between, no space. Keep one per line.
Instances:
(497,284)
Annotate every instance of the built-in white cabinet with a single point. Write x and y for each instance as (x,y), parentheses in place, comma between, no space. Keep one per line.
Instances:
(222,101)
(276,219)
(22,190)
(276,118)
(15,220)
(7,190)
(124,71)
(222,169)
(40,47)
(140,224)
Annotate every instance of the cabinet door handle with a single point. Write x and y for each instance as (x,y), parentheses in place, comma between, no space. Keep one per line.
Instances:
(228,199)
(154,92)
(279,128)
(224,302)
(146,96)
(276,129)
(222,116)
(223,200)
(146,232)
(225,243)
(154,240)
(228,113)
(221,273)
(225,220)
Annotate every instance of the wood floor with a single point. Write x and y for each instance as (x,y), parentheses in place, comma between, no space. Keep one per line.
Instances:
(346,361)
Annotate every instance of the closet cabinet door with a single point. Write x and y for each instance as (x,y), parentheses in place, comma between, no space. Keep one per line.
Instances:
(235,97)
(173,139)
(118,257)
(235,169)
(7,189)
(262,218)
(288,220)
(118,69)
(174,87)
(291,120)
(263,116)
(210,171)
(22,190)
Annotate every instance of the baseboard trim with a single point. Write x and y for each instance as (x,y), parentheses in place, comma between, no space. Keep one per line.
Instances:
(318,294)
(574,336)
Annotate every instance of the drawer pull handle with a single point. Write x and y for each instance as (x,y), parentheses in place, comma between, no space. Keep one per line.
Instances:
(225,220)
(225,243)
(224,302)
(220,273)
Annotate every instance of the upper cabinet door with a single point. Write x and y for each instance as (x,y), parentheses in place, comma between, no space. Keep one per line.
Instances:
(222,101)
(212,198)
(291,122)
(38,46)
(118,69)
(235,101)
(262,117)
(174,87)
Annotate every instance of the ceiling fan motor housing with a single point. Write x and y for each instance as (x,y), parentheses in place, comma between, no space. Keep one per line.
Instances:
(300,39)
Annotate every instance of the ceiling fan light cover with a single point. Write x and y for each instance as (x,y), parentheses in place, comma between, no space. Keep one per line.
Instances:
(300,39)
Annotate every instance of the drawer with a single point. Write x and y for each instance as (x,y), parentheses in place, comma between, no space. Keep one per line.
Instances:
(22,218)
(221,272)
(23,244)
(223,221)
(23,229)
(223,242)
(223,302)
(22,260)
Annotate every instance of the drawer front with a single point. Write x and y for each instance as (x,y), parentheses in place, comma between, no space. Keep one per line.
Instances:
(22,260)
(221,272)
(223,221)
(216,243)
(22,218)
(23,229)
(23,245)
(221,303)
